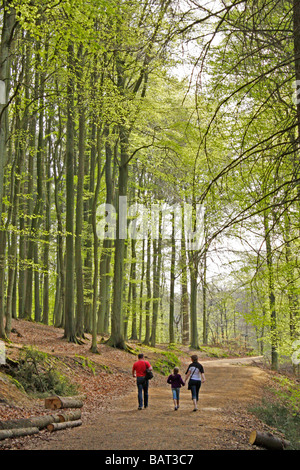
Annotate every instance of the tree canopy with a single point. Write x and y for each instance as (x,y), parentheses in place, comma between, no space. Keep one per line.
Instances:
(149,170)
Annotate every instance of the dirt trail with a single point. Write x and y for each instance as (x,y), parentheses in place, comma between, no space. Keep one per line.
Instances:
(221,422)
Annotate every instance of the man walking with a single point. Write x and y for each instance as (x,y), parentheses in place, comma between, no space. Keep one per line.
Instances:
(139,370)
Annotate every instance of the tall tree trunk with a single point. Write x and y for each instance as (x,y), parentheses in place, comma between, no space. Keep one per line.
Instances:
(184,304)
(172,283)
(37,211)
(47,232)
(204,285)
(96,247)
(128,304)
(2,283)
(204,297)
(193,309)
(107,243)
(157,246)
(88,265)
(296,37)
(271,287)
(117,334)
(69,286)
(133,290)
(292,294)
(21,125)
(8,25)
(79,203)
(141,293)
(148,285)
(58,315)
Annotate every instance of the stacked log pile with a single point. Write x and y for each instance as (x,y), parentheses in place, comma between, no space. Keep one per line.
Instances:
(52,422)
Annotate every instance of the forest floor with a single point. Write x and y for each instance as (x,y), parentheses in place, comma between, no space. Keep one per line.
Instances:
(110,416)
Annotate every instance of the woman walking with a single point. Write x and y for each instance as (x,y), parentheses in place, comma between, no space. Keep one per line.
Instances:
(195,374)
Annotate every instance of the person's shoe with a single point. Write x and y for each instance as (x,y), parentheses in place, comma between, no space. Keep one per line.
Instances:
(140,408)
(195,409)
(145,407)
(175,408)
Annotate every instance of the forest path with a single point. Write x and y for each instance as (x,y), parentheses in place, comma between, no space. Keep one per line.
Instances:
(221,421)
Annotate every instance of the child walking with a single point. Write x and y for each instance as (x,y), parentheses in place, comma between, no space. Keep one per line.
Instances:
(176,381)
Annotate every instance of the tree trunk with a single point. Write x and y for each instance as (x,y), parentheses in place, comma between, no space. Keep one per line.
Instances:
(172,284)
(141,293)
(60,283)
(32,254)
(47,233)
(268,441)
(193,309)
(96,247)
(291,284)
(88,207)
(273,316)
(68,424)
(117,335)
(204,287)
(56,402)
(156,280)
(133,290)
(8,24)
(69,286)
(107,243)
(69,415)
(12,433)
(79,202)
(184,304)
(296,37)
(2,283)
(148,285)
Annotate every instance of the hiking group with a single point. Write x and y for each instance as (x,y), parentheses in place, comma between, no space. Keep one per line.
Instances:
(142,371)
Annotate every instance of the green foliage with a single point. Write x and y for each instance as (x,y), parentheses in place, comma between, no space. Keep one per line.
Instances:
(282,409)
(37,374)
(166,364)
(288,393)
(279,416)
(213,351)
(86,363)
(174,347)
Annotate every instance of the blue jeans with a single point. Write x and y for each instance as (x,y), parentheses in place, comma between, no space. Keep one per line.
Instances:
(175,392)
(142,385)
(195,387)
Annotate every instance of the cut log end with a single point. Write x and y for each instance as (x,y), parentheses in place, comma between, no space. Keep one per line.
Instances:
(268,441)
(64,425)
(56,402)
(69,416)
(252,437)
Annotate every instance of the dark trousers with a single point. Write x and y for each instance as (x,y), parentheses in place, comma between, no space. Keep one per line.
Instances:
(142,385)
(195,387)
